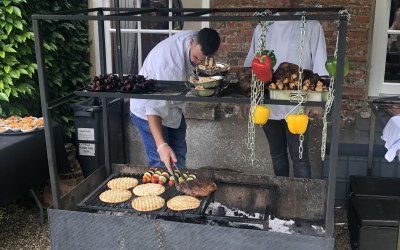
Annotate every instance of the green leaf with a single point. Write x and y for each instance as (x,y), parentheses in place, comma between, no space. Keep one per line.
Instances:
(46,46)
(15,74)
(7,91)
(7,79)
(9,48)
(3,97)
(59,36)
(18,39)
(10,9)
(6,2)
(18,24)
(1,85)
(10,19)
(9,28)
(2,54)
(14,92)
(7,68)
(3,37)
(23,71)
(17,11)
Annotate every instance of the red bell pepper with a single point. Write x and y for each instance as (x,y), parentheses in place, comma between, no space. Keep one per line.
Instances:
(262,67)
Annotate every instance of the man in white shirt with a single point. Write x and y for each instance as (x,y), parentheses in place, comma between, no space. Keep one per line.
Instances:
(283,37)
(160,123)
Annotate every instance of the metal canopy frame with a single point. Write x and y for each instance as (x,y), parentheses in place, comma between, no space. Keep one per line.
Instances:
(188,14)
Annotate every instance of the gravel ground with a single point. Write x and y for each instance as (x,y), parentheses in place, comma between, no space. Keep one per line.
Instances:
(21,228)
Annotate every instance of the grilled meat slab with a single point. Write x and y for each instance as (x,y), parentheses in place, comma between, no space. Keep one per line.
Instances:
(198,187)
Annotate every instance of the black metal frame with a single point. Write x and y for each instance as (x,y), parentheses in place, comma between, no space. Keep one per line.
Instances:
(192,14)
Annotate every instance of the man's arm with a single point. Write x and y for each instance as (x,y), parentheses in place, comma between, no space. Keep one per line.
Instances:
(164,150)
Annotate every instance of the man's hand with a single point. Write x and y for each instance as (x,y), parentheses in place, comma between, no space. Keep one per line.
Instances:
(167,156)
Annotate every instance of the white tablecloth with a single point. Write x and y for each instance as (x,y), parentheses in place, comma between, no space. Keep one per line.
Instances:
(391,136)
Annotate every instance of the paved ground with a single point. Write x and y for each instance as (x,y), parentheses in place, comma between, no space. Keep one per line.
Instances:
(20,227)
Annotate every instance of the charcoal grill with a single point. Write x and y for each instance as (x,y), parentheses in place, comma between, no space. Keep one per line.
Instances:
(72,229)
(92,203)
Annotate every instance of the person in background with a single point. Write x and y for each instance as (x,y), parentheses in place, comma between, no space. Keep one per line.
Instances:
(284,38)
(161,123)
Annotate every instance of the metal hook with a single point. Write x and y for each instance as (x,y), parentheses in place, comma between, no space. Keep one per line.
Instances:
(298,105)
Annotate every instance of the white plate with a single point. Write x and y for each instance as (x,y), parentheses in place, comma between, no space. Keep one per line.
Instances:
(3,131)
(15,129)
(28,130)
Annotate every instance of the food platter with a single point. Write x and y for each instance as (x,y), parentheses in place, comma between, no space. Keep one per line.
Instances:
(217,69)
(15,125)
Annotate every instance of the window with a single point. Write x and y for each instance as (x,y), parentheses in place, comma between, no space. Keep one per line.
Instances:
(384,76)
(137,39)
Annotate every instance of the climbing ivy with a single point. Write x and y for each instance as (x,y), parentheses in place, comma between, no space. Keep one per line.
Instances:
(66,49)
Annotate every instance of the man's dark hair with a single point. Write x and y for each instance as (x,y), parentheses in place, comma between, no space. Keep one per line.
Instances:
(209,41)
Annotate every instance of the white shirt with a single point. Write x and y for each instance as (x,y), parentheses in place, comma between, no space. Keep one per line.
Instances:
(168,60)
(284,38)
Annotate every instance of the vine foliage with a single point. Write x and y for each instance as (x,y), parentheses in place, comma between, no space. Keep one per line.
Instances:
(66,53)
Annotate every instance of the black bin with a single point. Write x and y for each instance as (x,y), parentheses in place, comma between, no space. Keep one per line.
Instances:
(89,133)
(374,212)
(375,186)
(374,223)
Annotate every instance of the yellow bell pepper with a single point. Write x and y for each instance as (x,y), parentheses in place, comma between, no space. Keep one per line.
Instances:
(261,115)
(297,123)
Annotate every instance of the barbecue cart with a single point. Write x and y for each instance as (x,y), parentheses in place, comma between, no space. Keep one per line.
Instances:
(79,221)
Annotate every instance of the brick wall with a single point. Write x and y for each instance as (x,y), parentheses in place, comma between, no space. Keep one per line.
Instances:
(236,37)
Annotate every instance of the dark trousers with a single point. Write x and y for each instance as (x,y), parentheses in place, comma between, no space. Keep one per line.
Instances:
(279,139)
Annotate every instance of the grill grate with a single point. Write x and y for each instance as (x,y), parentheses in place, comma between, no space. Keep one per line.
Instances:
(93,203)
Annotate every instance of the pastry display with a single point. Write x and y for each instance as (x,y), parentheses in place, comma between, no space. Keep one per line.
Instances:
(16,124)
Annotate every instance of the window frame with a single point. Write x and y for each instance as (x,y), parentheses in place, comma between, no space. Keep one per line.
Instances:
(376,81)
(139,31)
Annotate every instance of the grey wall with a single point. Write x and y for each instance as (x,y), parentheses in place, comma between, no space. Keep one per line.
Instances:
(216,137)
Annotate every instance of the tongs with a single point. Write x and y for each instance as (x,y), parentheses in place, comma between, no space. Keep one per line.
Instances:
(176,180)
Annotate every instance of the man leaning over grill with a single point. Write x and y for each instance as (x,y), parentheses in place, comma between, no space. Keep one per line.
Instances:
(160,123)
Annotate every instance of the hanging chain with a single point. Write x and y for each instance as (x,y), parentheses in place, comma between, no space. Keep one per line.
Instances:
(331,96)
(302,35)
(300,86)
(257,89)
(301,139)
